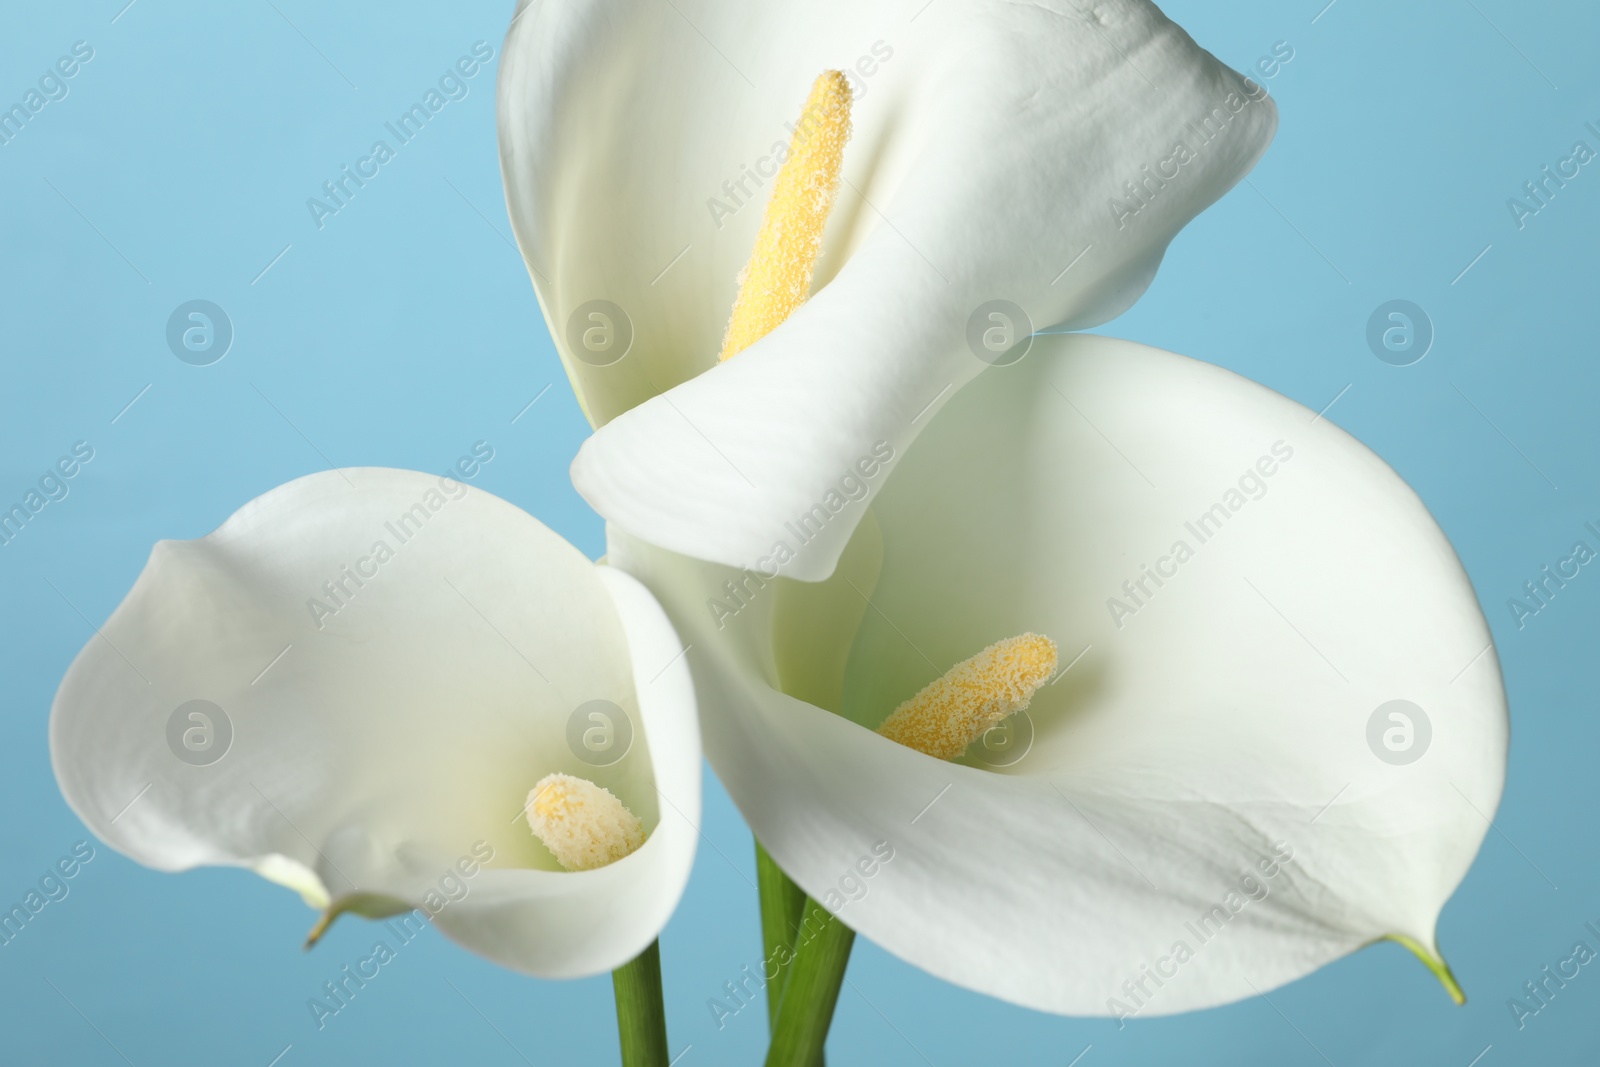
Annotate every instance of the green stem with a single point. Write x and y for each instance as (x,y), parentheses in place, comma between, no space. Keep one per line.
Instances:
(822,952)
(782,903)
(641,1017)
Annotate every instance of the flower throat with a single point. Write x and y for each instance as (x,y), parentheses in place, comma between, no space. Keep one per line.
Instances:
(973,696)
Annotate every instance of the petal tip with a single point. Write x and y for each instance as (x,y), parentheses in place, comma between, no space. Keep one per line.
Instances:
(1436,964)
(321,927)
(367,905)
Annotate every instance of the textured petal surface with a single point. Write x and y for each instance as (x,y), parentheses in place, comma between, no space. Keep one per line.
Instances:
(1040,154)
(1205,771)
(367,740)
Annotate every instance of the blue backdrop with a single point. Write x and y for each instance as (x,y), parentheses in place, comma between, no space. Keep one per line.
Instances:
(174,164)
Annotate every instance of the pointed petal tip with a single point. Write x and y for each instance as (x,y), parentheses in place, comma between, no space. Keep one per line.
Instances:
(1436,964)
(367,905)
(321,927)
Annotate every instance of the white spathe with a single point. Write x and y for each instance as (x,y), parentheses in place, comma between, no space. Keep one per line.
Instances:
(386,726)
(1206,727)
(1038,153)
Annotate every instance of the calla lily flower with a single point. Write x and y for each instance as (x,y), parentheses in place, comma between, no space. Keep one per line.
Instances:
(1277,732)
(1011,167)
(350,688)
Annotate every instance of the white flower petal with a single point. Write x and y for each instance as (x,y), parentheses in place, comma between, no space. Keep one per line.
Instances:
(1230,713)
(991,143)
(365,748)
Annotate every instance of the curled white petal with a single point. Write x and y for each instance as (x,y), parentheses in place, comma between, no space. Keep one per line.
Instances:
(1217,765)
(350,686)
(1042,155)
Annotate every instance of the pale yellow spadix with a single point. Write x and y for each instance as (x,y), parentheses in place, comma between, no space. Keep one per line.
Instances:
(955,709)
(777,278)
(582,824)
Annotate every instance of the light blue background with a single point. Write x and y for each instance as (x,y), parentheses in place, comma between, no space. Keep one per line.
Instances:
(178,168)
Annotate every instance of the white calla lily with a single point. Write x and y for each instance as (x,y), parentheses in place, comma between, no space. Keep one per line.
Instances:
(351,686)
(1218,795)
(1041,155)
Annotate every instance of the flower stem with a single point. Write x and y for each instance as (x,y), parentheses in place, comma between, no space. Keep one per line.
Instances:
(782,902)
(822,952)
(641,1017)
